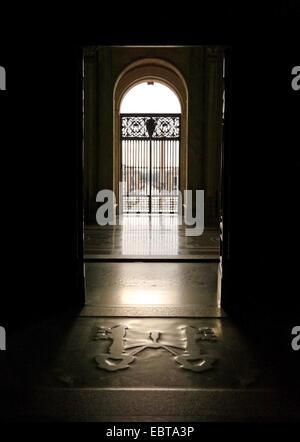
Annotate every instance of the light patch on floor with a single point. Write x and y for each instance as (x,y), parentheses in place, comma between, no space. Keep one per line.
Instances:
(149,236)
(152,289)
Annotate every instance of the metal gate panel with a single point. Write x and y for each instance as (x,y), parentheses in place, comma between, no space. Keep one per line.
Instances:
(136,176)
(150,150)
(165,176)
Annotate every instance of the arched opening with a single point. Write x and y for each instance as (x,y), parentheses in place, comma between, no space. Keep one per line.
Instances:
(151,86)
(150,120)
(150,97)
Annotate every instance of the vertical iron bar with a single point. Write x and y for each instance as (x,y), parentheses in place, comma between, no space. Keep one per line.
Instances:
(150,202)
(125,177)
(147,174)
(134,169)
(130,169)
(168,162)
(144,181)
(140,174)
(172,159)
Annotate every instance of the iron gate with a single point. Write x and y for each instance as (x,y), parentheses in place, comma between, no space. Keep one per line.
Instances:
(150,152)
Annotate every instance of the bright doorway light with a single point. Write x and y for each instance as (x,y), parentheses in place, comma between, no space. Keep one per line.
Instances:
(150,97)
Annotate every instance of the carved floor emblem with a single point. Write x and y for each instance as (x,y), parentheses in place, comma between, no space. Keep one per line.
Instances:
(183,347)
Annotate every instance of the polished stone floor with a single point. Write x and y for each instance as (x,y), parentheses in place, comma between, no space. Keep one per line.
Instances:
(156,288)
(149,236)
(140,369)
(72,359)
(151,344)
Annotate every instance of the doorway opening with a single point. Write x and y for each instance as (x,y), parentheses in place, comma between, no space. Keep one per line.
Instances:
(146,264)
(150,149)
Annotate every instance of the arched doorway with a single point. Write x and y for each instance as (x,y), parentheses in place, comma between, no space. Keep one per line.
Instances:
(164,76)
(150,129)
(166,261)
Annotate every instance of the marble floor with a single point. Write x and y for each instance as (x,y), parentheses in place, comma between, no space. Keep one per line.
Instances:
(72,368)
(149,236)
(151,344)
(168,287)
(152,288)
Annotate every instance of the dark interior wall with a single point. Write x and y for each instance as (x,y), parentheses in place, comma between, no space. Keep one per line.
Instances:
(202,69)
(261,263)
(43,128)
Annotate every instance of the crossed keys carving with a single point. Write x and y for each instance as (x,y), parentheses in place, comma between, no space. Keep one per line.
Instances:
(122,350)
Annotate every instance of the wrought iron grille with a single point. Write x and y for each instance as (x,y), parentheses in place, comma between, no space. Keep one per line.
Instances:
(150,162)
(166,126)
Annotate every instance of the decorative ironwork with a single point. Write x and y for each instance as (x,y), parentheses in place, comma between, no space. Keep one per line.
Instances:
(184,347)
(135,127)
(150,162)
(167,127)
(139,127)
